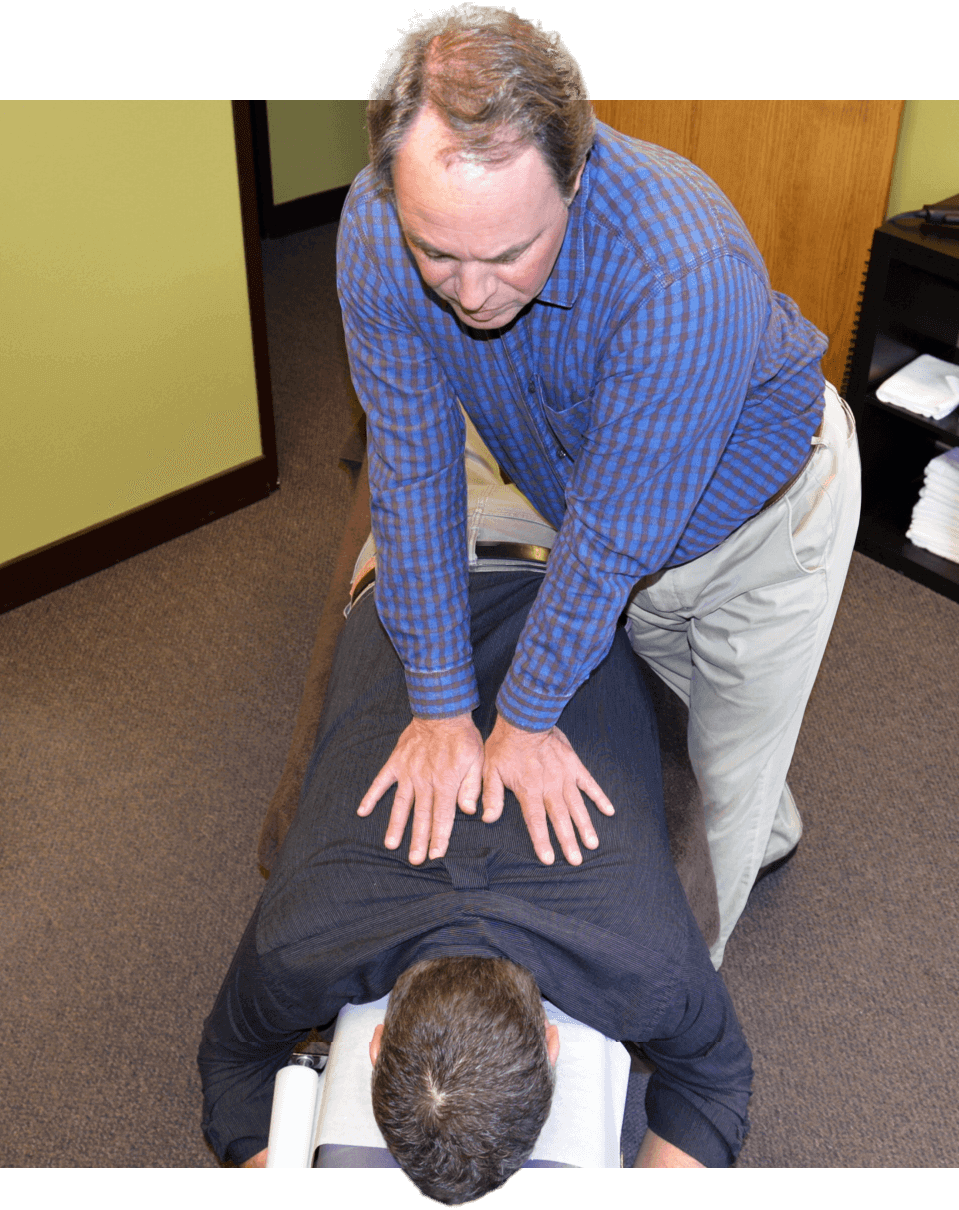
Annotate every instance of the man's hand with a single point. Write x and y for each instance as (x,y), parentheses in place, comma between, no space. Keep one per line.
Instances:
(436,764)
(549,779)
(256,1161)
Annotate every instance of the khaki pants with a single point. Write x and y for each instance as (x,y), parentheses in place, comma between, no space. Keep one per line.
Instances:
(739,634)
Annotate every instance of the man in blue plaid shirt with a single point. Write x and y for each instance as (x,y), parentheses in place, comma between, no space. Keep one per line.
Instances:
(602,314)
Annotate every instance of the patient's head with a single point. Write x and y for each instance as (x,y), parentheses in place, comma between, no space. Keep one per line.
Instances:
(462,1076)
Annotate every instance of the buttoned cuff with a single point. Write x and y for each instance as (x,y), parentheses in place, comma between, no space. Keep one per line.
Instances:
(530,715)
(443,694)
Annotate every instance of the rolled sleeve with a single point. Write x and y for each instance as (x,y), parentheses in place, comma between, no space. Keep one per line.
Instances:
(698,1096)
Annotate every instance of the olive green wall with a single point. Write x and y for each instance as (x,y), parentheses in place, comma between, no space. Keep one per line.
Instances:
(126,356)
(315,145)
(927,158)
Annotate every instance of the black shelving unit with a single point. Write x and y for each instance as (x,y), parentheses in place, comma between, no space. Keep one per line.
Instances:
(910,305)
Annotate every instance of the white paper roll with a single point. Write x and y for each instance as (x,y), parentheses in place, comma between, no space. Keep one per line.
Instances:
(293,1118)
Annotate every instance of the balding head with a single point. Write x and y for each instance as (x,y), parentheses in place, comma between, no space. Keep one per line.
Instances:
(497,82)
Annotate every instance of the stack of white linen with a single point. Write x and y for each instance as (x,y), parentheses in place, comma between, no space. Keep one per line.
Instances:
(927,386)
(935,519)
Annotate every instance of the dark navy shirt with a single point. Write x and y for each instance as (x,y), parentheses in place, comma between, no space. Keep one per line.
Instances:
(651,399)
(612,942)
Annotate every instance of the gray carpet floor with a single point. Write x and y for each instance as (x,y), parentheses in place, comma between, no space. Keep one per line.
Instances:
(145,713)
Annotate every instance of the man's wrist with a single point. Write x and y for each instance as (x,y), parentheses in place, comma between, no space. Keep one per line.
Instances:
(523,714)
(444,720)
(504,725)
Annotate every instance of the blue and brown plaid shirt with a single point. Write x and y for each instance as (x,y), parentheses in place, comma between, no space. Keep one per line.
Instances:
(648,402)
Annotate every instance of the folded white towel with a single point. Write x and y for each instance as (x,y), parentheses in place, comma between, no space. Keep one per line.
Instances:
(933,543)
(927,386)
(935,518)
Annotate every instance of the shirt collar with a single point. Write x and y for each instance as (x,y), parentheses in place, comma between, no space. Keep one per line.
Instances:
(565,282)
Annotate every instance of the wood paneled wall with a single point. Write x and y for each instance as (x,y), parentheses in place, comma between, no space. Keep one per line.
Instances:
(810,179)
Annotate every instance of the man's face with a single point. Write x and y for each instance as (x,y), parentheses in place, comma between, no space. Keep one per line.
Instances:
(485,238)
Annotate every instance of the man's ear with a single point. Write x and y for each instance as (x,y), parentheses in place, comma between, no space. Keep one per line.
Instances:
(575,189)
(375,1044)
(552,1043)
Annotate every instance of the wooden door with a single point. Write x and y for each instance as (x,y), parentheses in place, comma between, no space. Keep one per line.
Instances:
(810,179)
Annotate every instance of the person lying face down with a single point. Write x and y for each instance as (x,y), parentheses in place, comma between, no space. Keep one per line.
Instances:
(344,919)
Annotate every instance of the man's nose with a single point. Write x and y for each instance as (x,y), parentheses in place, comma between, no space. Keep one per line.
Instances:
(475,285)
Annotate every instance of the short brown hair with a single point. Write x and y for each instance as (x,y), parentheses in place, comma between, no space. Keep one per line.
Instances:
(463,1082)
(498,82)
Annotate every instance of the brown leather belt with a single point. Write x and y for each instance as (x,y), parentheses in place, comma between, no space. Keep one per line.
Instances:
(522,552)
(517,552)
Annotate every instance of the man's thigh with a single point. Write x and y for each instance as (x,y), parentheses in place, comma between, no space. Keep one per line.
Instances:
(740,632)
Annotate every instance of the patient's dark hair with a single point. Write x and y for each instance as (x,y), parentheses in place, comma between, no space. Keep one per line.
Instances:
(462,1084)
(499,83)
